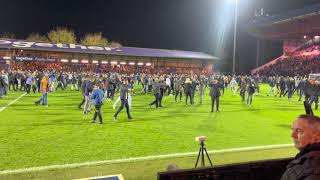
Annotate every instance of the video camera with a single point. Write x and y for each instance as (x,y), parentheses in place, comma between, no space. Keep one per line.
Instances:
(201,138)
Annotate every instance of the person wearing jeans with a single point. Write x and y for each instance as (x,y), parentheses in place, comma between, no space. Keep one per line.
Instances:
(44,89)
(97,99)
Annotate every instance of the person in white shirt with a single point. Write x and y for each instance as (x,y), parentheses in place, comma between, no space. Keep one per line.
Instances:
(168,84)
(233,84)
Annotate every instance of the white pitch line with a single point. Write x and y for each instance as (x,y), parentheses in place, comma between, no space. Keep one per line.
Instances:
(91,163)
(3,108)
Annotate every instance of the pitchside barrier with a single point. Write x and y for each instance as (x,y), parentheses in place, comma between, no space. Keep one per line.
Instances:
(258,170)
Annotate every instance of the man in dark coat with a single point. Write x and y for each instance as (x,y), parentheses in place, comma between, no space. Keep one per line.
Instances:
(188,90)
(157,93)
(215,94)
(178,88)
(282,85)
(306,138)
(124,99)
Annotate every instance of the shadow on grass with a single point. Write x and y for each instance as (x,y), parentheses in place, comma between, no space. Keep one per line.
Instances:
(285,126)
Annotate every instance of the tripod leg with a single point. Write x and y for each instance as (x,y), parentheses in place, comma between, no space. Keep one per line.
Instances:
(202,155)
(198,158)
(208,156)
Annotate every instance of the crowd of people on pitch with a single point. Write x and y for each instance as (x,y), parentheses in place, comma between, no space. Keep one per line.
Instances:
(97,87)
(157,84)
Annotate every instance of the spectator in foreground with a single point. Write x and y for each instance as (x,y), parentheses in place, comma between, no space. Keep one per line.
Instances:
(306,138)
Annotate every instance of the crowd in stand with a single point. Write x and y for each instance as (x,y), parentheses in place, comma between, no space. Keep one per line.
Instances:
(102,68)
(301,62)
(292,66)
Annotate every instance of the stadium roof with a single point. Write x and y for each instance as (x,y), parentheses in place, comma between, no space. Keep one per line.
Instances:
(122,51)
(290,25)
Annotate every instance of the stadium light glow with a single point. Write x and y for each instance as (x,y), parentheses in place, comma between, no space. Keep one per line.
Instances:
(114,62)
(140,64)
(123,63)
(304,37)
(148,64)
(84,61)
(95,62)
(316,37)
(7,57)
(64,60)
(104,62)
(131,63)
(74,60)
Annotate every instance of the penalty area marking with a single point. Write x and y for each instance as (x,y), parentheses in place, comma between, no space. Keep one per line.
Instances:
(3,108)
(91,163)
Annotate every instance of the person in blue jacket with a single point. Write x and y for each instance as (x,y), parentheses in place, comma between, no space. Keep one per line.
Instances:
(97,100)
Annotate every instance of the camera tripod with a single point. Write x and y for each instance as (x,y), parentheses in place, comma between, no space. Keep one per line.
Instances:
(202,150)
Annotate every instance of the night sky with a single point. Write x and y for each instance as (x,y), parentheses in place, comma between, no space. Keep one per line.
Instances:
(193,25)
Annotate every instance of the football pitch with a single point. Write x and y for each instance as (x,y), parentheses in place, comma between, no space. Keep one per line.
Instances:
(33,136)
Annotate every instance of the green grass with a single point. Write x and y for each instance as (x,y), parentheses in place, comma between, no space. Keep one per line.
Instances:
(36,136)
(147,170)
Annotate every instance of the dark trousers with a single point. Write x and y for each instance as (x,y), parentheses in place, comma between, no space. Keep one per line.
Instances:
(82,102)
(281,92)
(290,93)
(213,101)
(192,96)
(156,101)
(60,85)
(314,99)
(243,95)
(188,94)
(16,85)
(110,93)
(23,85)
(11,83)
(176,95)
(124,102)
(168,88)
(28,88)
(249,99)
(97,112)
(39,85)
(300,94)
(34,88)
(222,88)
